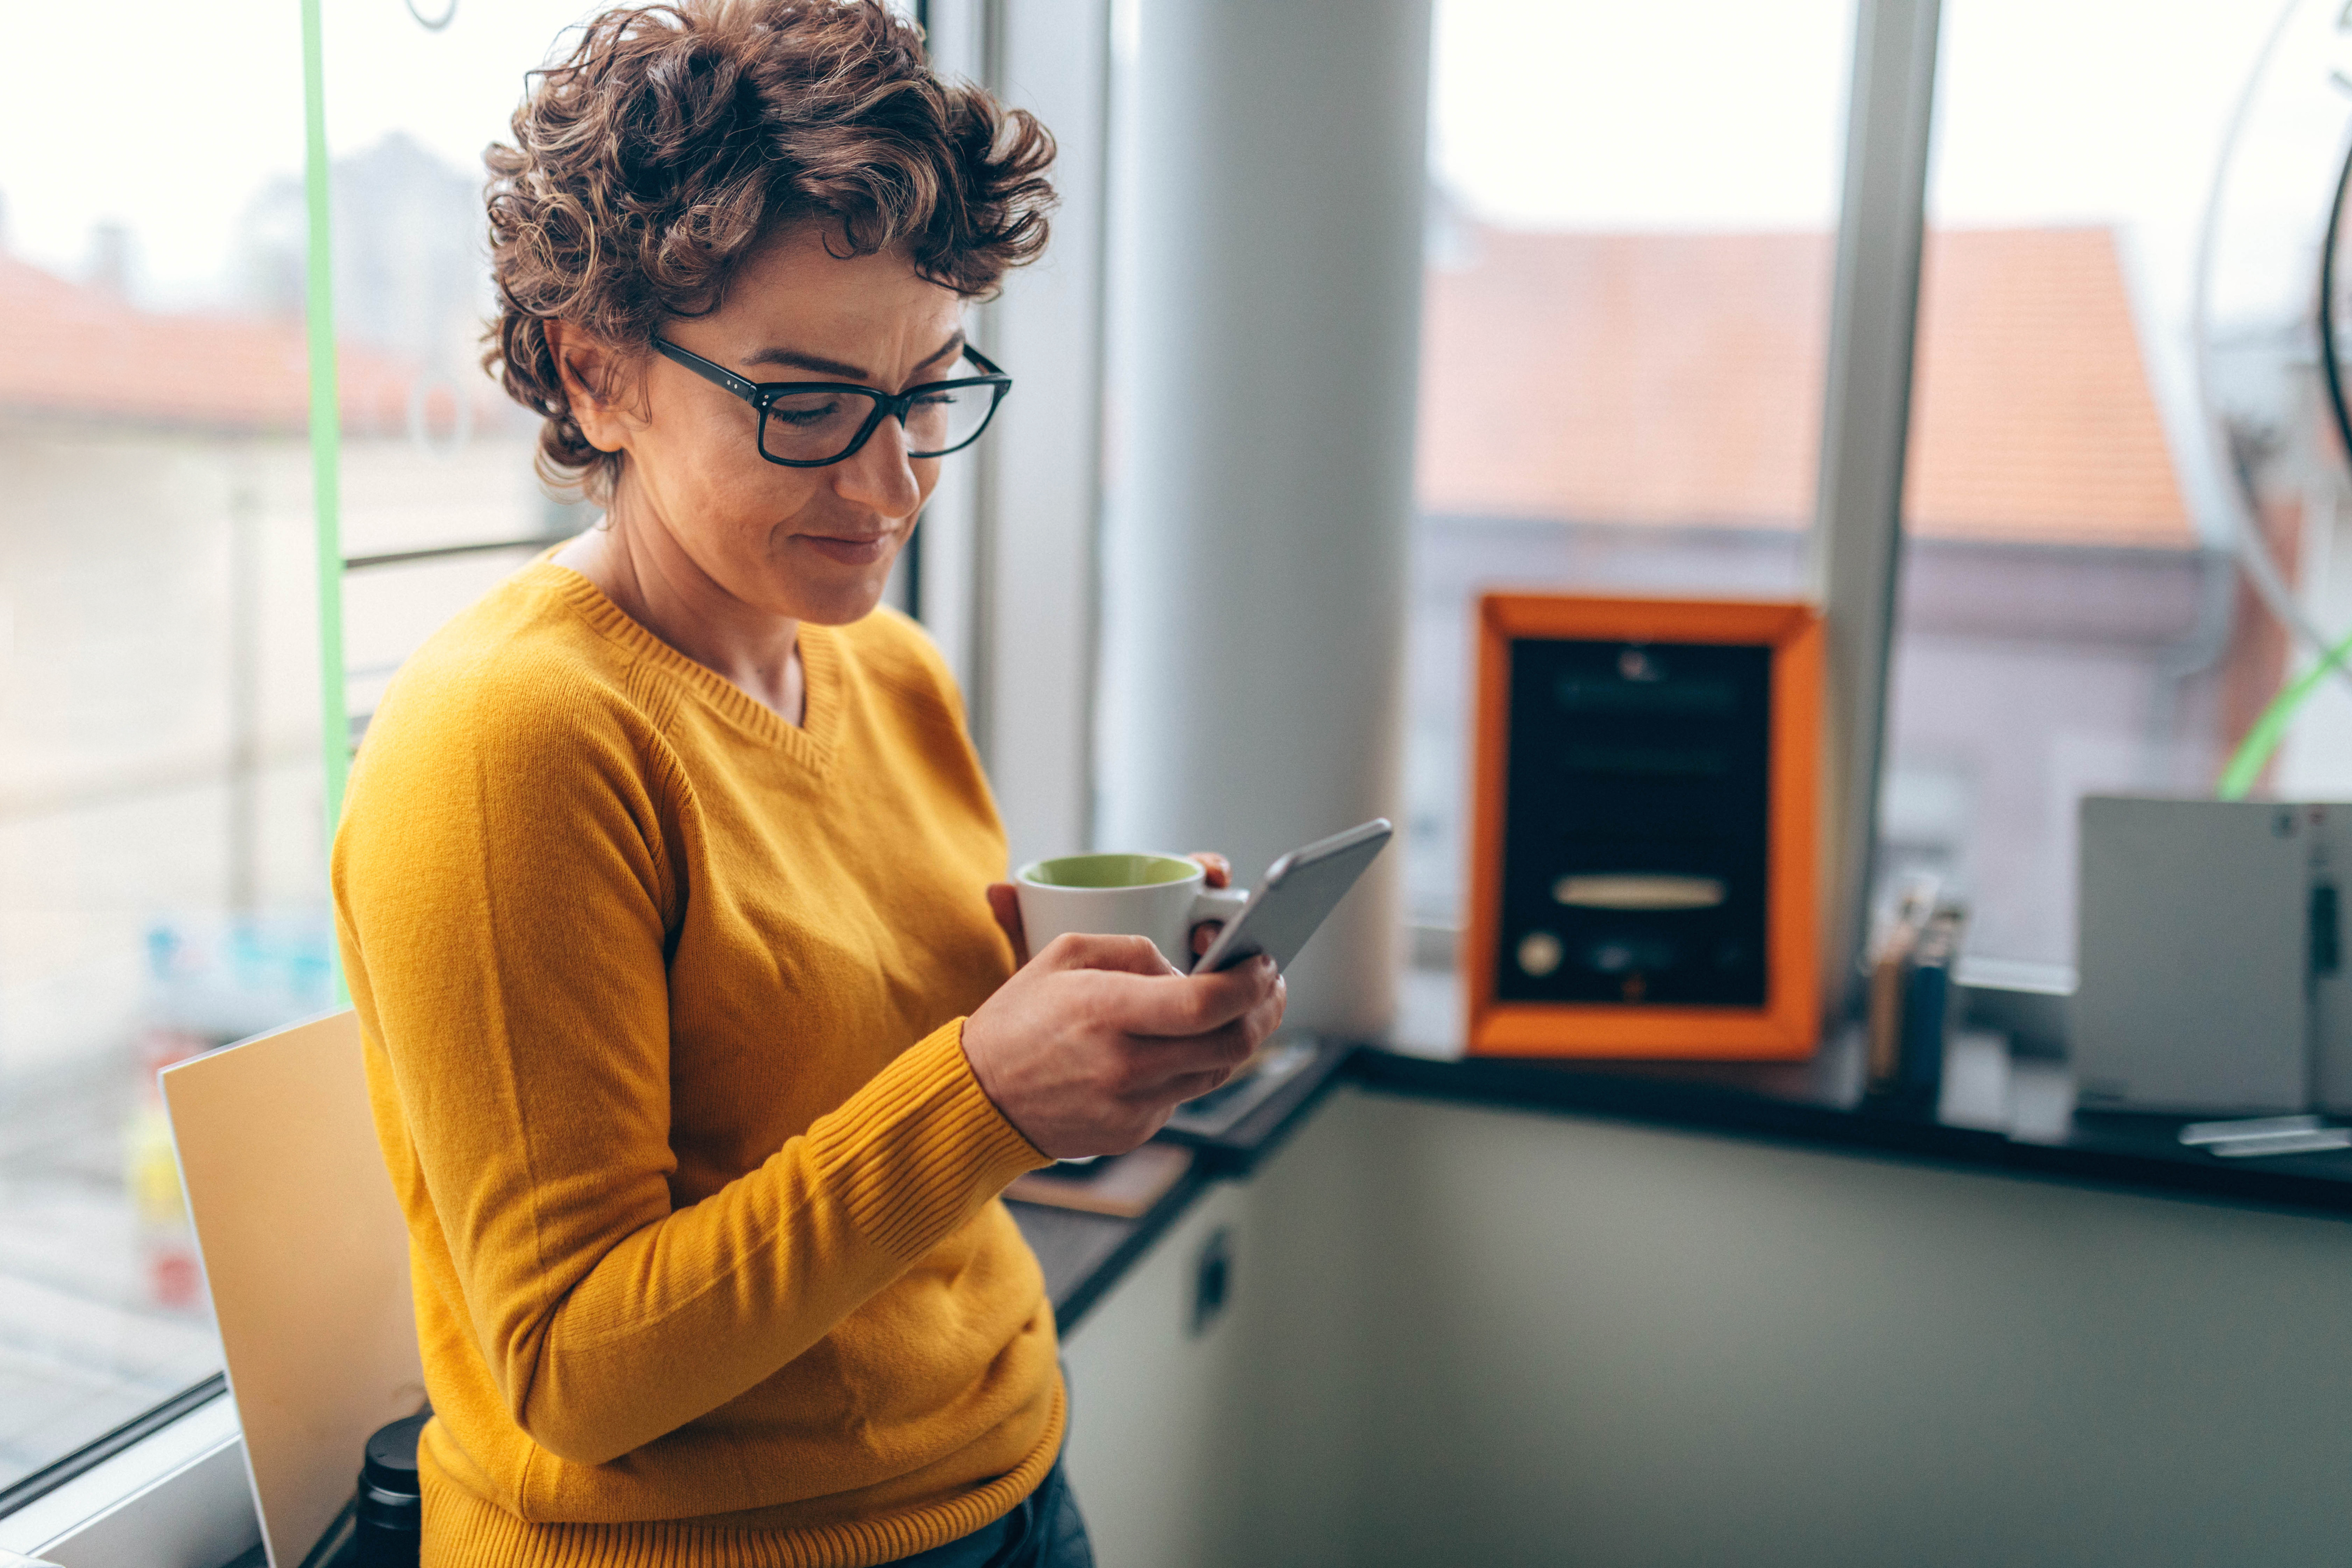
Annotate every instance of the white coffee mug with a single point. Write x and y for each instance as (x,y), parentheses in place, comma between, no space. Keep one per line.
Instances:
(1162,897)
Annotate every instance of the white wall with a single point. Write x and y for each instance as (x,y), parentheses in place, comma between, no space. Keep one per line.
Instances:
(1468,1336)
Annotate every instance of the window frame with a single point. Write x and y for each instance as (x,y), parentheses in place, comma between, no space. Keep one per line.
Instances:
(177,1495)
(31,1488)
(1856,542)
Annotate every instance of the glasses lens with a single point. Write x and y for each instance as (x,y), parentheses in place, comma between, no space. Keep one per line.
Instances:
(813,427)
(943,420)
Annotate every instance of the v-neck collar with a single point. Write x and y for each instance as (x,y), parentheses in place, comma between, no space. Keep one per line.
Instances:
(812,741)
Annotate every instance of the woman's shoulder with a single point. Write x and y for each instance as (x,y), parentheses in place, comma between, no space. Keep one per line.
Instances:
(521,672)
(521,741)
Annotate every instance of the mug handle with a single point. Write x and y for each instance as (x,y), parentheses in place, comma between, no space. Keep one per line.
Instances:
(1213,904)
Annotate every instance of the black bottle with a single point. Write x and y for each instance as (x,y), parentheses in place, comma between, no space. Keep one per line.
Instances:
(390,1518)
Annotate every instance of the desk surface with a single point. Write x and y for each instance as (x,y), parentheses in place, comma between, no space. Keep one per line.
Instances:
(1084,1254)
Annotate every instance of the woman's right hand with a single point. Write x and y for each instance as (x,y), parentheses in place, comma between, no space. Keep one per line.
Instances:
(1094,1041)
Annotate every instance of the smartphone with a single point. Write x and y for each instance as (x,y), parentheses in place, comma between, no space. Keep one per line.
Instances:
(1296,894)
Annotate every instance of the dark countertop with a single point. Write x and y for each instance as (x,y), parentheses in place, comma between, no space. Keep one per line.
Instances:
(2030,1130)
(2013,1118)
(1084,1254)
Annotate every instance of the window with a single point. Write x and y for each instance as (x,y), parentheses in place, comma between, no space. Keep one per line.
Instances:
(1626,311)
(439,499)
(161,836)
(162,811)
(2071,618)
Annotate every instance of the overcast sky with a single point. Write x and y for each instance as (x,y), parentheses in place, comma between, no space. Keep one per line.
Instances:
(1546,113)
(203,106)
(1730,112)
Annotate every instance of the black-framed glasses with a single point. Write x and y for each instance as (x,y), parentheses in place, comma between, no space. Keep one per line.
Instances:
(809,424)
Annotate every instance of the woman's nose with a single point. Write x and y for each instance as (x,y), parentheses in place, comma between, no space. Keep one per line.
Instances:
(879,475)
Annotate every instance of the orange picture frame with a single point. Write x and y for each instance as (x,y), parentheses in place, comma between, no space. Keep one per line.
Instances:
(1787,1027)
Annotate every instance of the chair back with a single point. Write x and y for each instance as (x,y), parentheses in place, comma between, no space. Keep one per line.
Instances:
(306,1254)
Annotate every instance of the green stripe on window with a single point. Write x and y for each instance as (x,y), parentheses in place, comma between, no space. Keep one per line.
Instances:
(326,427)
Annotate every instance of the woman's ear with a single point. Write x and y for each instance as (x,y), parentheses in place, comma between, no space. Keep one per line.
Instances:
(591,372)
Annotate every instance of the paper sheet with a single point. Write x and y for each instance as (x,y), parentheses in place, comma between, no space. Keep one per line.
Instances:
(307,1256)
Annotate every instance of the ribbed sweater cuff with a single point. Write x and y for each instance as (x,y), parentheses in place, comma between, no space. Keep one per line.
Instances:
(920,1148)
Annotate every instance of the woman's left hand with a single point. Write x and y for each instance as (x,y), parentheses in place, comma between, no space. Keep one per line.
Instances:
(1004,903)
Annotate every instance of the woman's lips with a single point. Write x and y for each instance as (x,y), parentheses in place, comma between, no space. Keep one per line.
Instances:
(849,552)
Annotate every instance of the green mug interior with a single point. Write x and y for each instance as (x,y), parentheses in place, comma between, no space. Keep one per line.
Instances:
(1109,870)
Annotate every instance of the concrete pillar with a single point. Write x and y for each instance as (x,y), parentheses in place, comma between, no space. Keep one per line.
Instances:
(1266,333)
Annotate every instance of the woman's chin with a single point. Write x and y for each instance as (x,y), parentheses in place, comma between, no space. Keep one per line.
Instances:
(838,604)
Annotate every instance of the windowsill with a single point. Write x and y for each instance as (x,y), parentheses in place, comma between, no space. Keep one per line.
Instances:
(1999,1110)
(177,1496)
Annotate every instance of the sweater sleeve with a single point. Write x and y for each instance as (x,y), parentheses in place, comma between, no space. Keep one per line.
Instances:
(500,888)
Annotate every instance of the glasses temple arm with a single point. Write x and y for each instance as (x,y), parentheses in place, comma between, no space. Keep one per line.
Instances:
(710,371)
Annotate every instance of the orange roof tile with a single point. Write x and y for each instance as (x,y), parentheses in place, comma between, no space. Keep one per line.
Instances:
(2031,416)
(67,350)
(1677,379)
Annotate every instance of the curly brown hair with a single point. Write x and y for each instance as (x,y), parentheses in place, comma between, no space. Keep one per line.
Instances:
(649,161)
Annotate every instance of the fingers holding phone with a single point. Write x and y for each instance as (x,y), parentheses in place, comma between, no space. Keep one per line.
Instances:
(1090,1045)
(1097,1038)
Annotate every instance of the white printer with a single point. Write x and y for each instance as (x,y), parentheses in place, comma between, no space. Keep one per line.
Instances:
(2210,954)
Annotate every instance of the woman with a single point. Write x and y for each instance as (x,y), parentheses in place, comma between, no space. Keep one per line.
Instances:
(664,885)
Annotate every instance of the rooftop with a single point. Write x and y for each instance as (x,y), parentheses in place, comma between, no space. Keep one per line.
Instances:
(69,350)
(1675,379)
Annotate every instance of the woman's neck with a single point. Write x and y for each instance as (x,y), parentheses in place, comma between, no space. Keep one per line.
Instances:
(639,565)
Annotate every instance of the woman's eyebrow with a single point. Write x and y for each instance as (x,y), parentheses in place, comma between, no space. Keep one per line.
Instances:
(821,365)
(948,350)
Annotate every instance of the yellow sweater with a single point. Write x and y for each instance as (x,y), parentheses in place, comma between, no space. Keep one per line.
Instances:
(662,1000)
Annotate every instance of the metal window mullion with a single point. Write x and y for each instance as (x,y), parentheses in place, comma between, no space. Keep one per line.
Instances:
(944,581)
(1857,538)
(447,552)
(985,50)
(1036,532)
